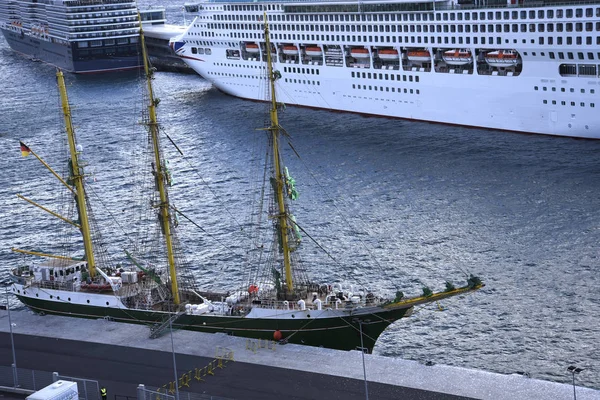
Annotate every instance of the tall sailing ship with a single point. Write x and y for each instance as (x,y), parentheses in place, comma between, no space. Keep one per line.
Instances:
(82,36)
(525,66)
(279,301)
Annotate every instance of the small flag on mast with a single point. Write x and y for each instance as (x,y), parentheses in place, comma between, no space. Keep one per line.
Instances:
(25,151)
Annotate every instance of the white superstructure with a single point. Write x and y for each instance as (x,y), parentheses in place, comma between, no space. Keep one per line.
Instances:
(520,67)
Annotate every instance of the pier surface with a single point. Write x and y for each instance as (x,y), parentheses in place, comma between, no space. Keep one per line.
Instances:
(121,356)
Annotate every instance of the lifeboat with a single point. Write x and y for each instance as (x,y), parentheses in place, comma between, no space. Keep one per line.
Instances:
(359,53)
(314,51)
(388,54)
(502,58)
(96,287)
(290,50)
(457,57)
(251,48)
(420,55)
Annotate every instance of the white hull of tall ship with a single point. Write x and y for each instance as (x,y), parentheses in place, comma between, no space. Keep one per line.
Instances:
(552,89)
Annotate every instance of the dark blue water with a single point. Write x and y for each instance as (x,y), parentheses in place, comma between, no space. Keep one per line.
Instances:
(397,203)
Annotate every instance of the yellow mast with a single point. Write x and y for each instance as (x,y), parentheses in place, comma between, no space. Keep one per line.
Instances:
(274,128)
(160,173)
(77,177)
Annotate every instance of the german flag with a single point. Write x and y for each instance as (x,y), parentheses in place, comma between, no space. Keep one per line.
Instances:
(25,151)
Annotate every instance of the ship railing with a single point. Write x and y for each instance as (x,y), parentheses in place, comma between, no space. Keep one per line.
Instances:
(56,285)
(294,306)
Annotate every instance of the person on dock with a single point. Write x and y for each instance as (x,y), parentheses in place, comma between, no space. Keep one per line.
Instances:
(103,393)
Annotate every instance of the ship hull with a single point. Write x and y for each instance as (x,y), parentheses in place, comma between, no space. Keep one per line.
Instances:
(63,56)
(340,332)
(425,100)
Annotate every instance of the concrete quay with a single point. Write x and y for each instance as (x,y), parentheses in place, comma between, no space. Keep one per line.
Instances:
(318,369)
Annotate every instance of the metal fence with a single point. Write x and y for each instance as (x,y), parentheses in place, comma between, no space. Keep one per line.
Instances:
(32,380)
(26,379)
(143,393)
(88,389)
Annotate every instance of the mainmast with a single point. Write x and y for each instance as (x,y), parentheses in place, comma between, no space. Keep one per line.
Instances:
(77,176)
(160,171)
(275,132)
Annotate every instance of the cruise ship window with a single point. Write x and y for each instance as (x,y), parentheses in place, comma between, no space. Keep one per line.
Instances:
(515,28)
(474,16)
(523,14)
(590,55)
(523,27)
(559,13)
(498,15)
(506,15)
(490,16)
(578,27)
(569,13)
(579,13)
(445,16)
(540,14)
(467,16)
(550,27)
(569,40)
(482,16)
(506,28)
(559,40)
(452,17)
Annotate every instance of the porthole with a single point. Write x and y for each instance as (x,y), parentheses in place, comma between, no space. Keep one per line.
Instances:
(69,299)
(107,303)
(88,301)
(51,296)
(57,297)
(307,315)
(293,316)
(37,295)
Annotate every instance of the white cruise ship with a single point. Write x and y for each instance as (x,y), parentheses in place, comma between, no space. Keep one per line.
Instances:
(519,66)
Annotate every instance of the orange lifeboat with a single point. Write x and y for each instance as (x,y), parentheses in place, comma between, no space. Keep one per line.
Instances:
(502,58)
(457,57)
(388,54)
(251,47)
(314,51)
(290,50)
(420,55)
(359,52)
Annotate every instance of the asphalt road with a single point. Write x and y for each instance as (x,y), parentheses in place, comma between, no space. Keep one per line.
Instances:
(121,369)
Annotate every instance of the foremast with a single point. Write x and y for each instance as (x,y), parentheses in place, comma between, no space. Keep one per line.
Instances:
(283,214)
(77,177)
(160,172)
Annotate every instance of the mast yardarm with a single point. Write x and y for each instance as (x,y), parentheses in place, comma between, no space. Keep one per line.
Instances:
(274,128)
(77,177)
(160,172)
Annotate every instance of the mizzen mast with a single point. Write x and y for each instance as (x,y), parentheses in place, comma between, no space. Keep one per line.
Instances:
(279,182)
(160,172)
(77,177)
